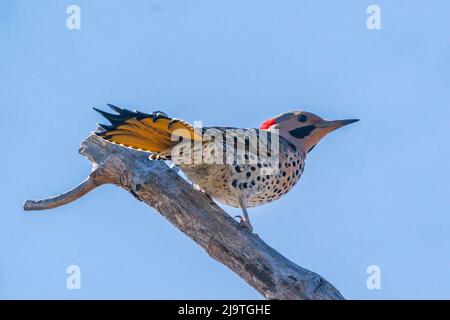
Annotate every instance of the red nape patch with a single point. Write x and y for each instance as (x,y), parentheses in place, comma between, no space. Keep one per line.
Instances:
(267,124)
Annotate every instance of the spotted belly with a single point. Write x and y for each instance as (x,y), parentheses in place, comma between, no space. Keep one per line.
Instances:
(256,184)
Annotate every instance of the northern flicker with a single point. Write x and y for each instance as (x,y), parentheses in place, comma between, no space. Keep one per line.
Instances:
(238,167)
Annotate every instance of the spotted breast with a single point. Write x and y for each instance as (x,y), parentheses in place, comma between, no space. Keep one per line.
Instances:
(255,183)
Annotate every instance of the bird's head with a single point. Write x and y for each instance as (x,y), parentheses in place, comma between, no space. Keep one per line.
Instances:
(303,129)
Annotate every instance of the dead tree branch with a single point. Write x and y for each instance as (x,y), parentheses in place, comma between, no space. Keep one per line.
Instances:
(195,214)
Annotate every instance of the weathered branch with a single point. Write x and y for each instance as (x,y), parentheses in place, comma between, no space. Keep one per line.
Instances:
(195,214)
(87,185)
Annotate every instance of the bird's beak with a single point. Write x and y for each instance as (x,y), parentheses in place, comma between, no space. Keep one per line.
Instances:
(335,124)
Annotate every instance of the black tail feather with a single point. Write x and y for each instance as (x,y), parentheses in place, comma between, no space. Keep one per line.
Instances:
(123,115)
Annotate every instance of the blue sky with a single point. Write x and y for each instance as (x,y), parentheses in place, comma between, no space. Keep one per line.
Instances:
(375,192)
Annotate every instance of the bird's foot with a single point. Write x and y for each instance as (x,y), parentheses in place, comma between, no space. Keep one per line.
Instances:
(244,223)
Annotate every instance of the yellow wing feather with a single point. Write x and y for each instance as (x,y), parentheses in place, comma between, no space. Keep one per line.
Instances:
(156,132)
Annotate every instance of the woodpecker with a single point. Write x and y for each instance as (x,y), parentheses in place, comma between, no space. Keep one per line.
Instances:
(239,167)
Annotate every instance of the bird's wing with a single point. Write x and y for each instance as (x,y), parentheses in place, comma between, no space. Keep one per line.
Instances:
(249,143)
(156,132)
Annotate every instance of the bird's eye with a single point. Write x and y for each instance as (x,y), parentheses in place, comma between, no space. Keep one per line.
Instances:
(302,118)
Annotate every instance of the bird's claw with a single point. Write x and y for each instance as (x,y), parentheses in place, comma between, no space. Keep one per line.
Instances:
(244,224)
